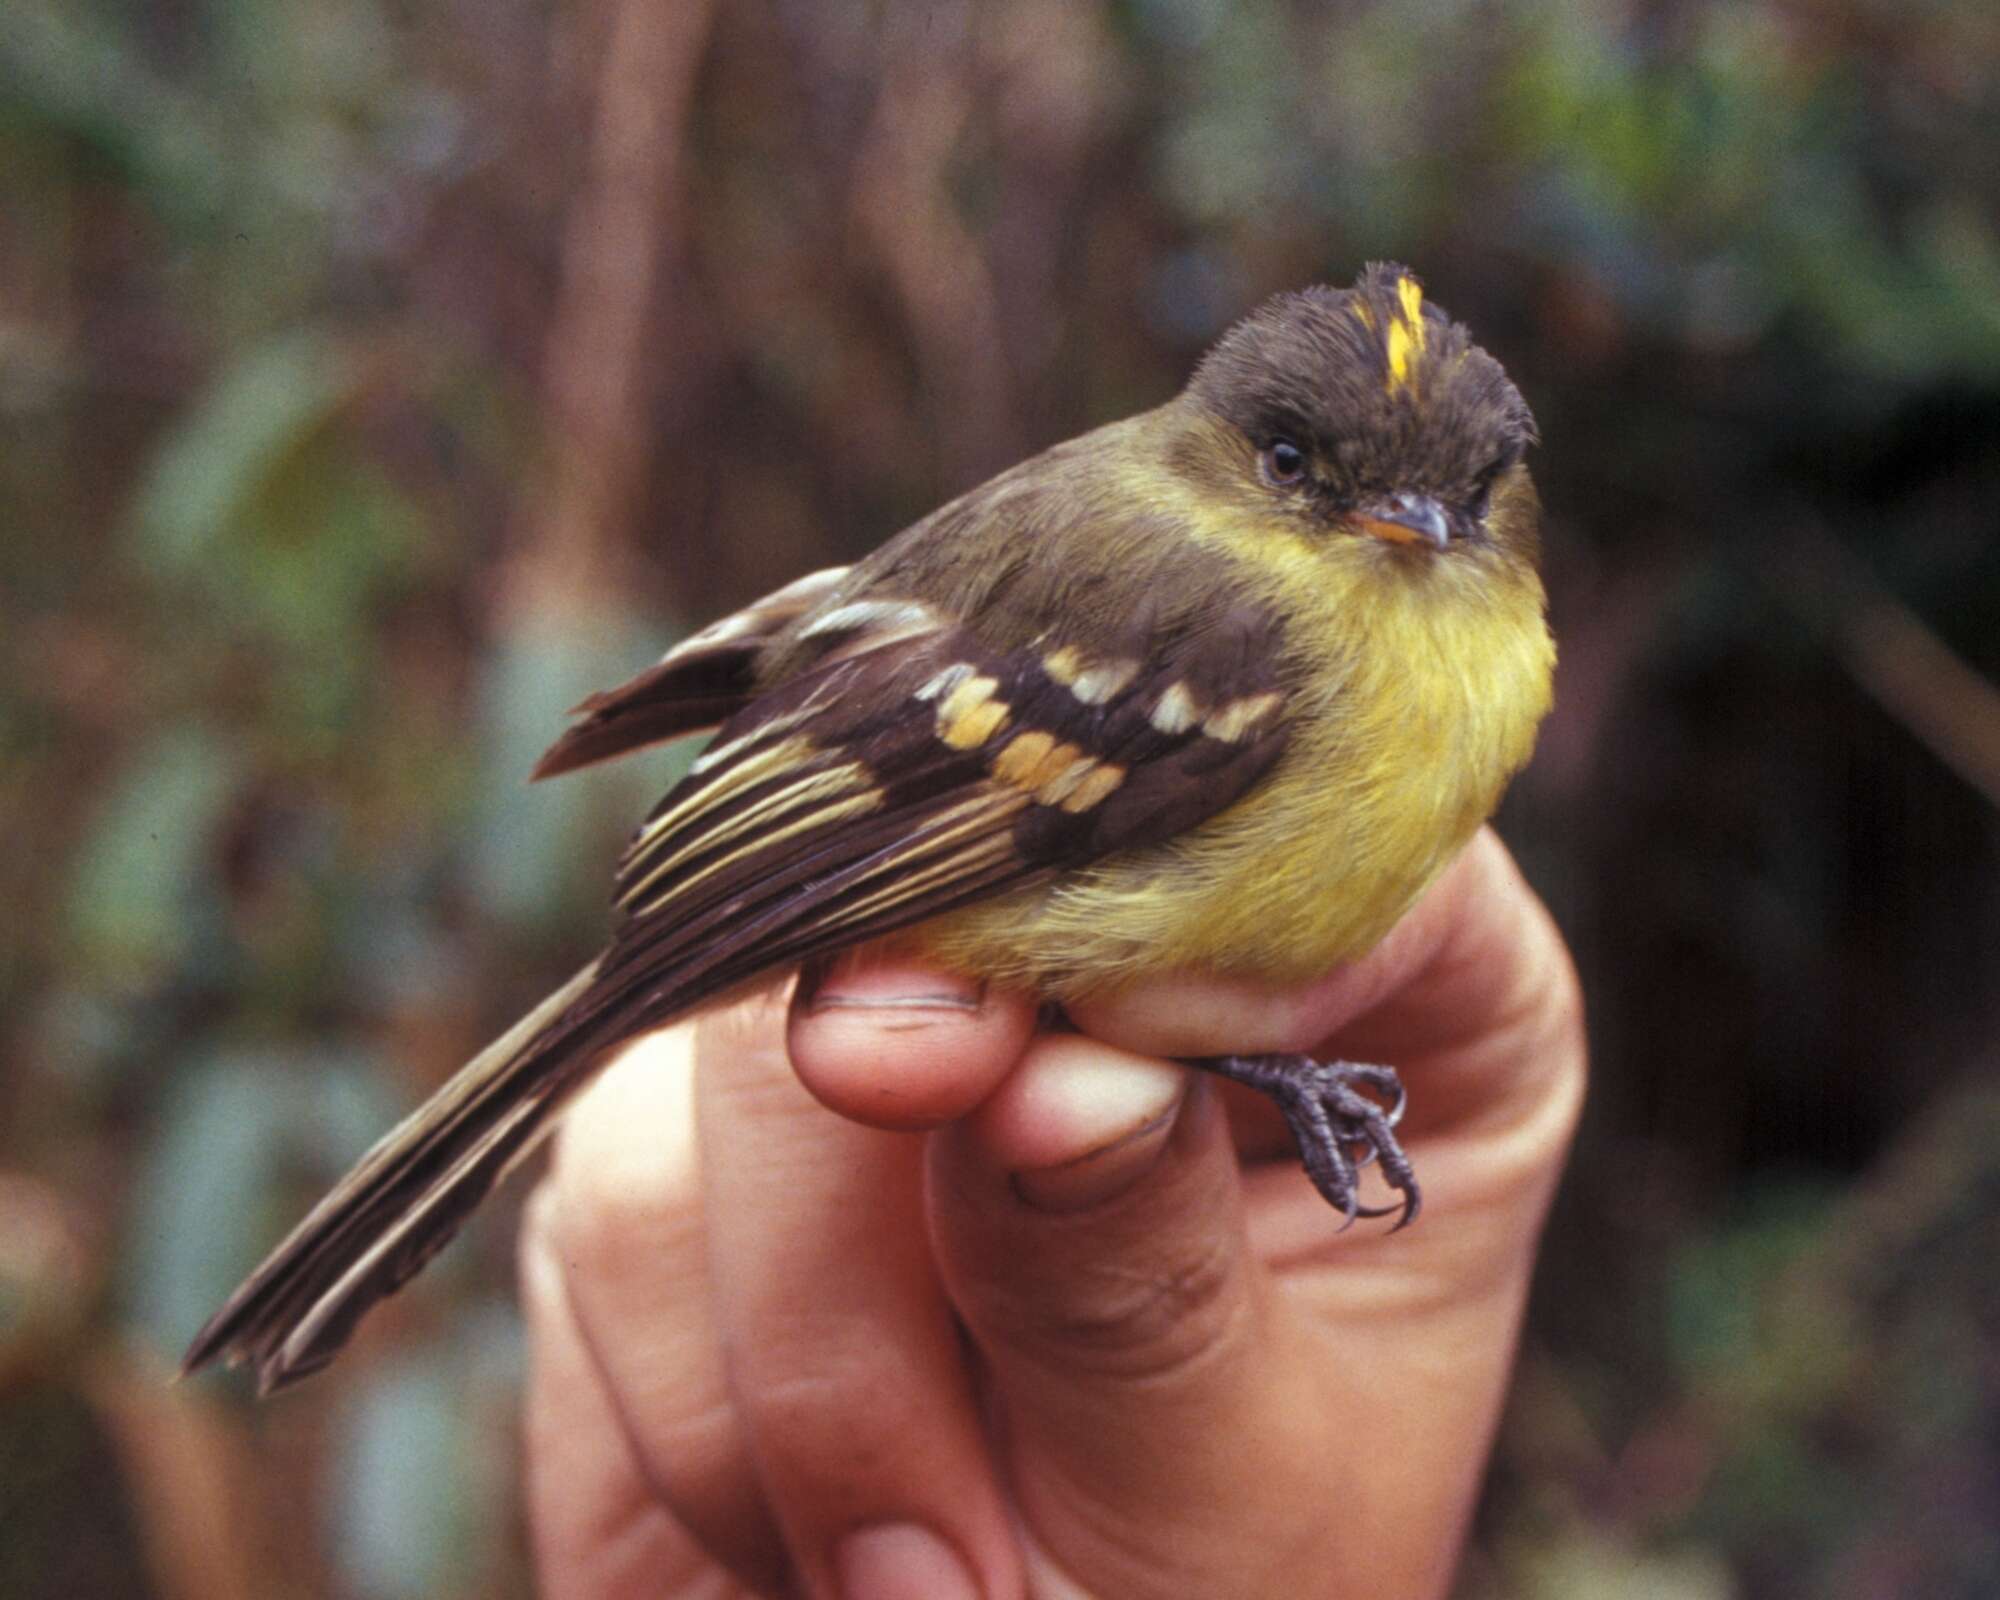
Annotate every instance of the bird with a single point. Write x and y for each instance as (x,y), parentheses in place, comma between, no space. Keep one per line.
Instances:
(1221,685)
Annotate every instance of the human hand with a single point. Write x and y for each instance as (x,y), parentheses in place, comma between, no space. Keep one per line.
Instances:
(1091,1337)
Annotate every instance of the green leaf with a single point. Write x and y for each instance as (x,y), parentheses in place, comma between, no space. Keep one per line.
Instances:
(536,847)
(139,879)
(414,1480)
(212,1194)
(229,444)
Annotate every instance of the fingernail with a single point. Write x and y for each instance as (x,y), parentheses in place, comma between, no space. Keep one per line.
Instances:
(886,984)
(1134,1107)
(938,1000)
(900,1561)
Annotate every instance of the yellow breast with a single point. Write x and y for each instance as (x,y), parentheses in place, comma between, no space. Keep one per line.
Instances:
(1423,686)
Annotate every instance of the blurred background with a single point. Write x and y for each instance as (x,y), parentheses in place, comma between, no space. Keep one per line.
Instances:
(378,376)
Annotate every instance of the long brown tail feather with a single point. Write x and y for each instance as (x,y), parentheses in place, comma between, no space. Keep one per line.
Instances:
(414,1189)
(405,1198)
(826,814)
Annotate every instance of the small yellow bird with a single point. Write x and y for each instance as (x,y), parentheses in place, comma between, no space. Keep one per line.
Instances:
(1224,685)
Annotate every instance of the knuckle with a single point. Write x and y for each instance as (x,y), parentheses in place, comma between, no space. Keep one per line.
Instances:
(614,1188)
(807,1417)
(1134,1320)
(802,1402)
(537,1259)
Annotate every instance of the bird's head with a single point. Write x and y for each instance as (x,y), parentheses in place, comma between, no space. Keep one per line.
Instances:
(1367,414)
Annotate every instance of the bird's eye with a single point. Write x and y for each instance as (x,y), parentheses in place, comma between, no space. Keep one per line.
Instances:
(1482,486)
(1284,462)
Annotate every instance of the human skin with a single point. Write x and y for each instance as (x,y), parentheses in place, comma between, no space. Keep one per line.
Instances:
(876,1292)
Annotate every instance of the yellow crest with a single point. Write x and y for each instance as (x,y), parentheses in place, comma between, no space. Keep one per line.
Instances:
(1406,333)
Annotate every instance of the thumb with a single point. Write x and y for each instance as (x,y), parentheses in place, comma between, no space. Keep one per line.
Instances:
(1155,1401)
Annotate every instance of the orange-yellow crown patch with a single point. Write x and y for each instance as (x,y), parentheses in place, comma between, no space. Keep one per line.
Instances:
(1406,334)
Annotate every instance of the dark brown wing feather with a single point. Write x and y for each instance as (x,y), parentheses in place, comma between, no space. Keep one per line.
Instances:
(699,684)
(838,812)
(866,794)
(401,1203)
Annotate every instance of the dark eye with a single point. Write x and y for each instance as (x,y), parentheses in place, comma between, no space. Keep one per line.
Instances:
(1284,462)
(1482,486)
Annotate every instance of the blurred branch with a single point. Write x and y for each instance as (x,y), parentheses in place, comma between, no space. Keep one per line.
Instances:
(619,231)
(1919,680)
(49,1269)
(185,1470)
(902,203)
(1898,661)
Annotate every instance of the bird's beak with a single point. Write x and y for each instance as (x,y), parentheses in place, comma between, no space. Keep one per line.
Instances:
(1405,518)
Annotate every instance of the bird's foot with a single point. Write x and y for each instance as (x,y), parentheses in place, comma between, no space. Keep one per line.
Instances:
(1339,1128)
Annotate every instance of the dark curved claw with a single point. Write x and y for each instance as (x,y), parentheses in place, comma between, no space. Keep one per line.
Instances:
(1340,1129)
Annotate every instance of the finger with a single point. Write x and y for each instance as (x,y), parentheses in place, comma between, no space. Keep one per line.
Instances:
(1159,1418)
(843,1356)
(889,1041)
(622,1222)
(1163,1400)
(1417,1329)
(599,1531)
(886,1041)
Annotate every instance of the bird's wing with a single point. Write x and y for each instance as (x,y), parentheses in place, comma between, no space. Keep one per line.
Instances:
(699,684)
(909,777)
(909,770)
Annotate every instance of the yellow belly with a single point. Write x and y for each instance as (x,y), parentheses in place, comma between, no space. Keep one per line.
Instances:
(1422,708)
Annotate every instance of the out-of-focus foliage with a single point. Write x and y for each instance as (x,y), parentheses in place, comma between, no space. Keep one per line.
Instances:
(376,379)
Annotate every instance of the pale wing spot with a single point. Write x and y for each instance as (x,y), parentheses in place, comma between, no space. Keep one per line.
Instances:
(1097,786)
(1025,752)
(967,695)
(976,726)
(1232,721)
(1176,711)
(1063,665)
(758,618)
(1061,759)
(969,715)
(1057,789)
(885,614)
(1099,683)
(1056,761)
(944,682)
(1091,682)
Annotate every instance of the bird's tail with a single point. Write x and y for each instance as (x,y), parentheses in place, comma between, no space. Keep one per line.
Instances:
(407,1196)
